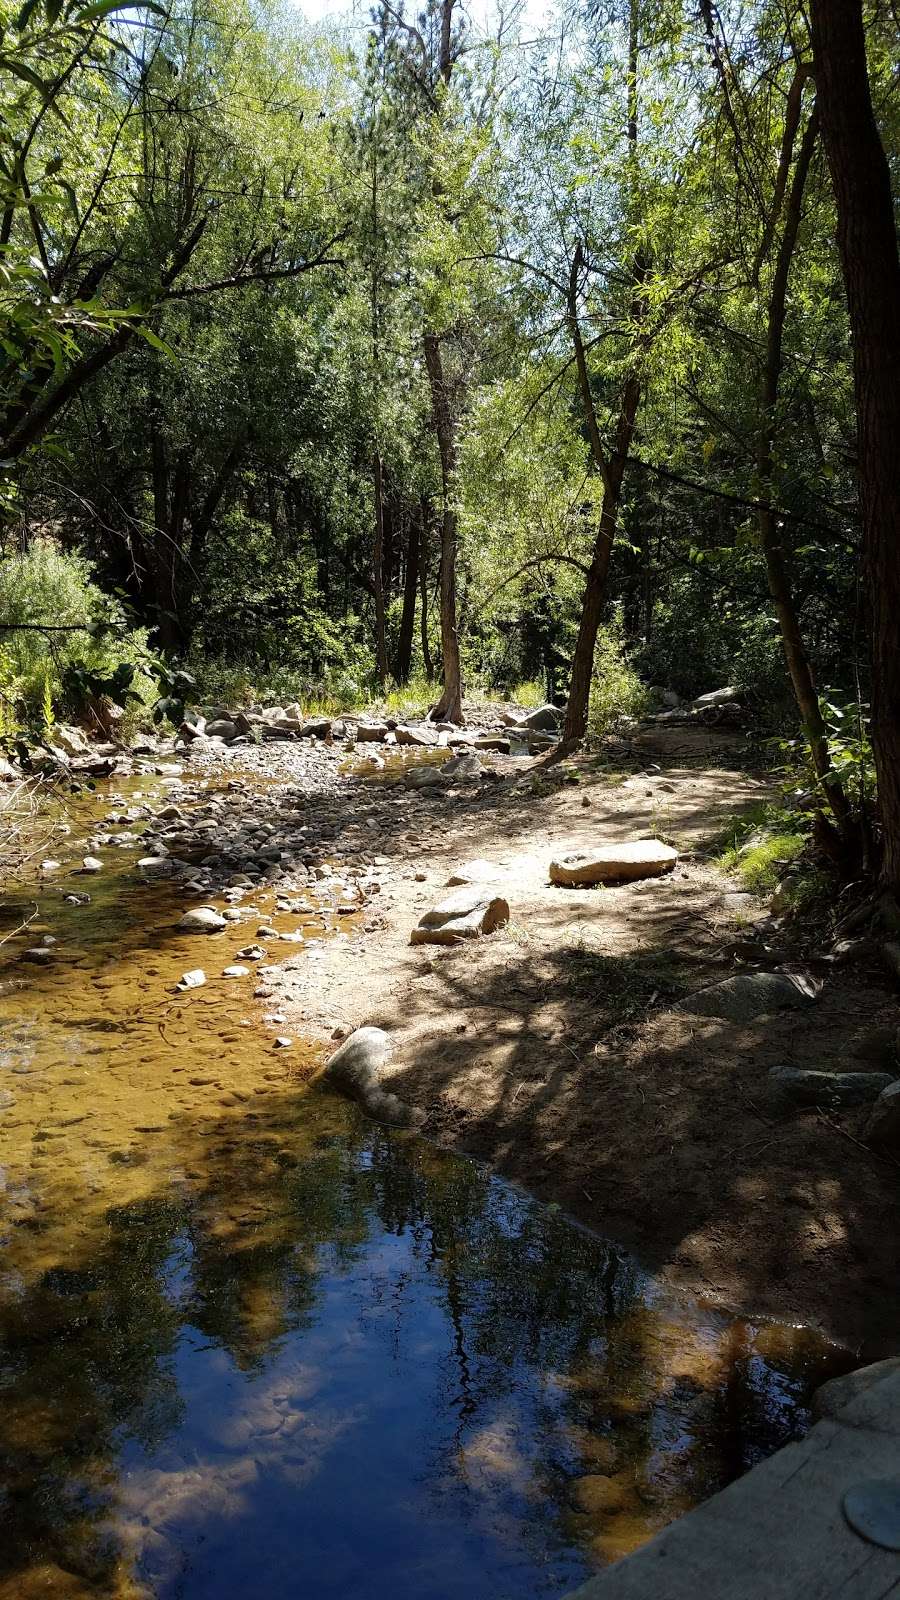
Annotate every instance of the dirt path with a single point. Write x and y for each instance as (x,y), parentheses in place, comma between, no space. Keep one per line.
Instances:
(552,1049)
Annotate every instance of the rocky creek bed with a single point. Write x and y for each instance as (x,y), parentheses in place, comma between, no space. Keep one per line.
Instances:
(225,1289)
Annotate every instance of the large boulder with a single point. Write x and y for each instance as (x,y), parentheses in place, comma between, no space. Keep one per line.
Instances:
(469,913)
(615,863)
(423,737)
(371,731)
(750,995)
(221,728)
(316,728)
(544,719)
(831,1397)
(717,697)
(810,1088)
(356,1068)
(72,740)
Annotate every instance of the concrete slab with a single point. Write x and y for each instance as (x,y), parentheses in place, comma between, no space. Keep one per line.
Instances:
(779,1533)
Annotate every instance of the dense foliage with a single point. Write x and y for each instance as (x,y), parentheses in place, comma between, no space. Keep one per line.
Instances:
(331,359)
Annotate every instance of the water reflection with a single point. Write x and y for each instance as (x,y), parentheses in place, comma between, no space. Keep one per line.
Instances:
(336,1361)
(253,1346)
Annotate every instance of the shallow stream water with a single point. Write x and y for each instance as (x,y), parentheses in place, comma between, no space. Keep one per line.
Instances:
(254,1346)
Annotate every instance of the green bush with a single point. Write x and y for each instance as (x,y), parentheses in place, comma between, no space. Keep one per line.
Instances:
(616,689)
(89,633)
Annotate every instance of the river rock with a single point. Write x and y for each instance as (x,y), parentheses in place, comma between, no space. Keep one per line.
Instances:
(195,979)
(462,768)
(156,866)
(39,955)
(751,994)
(809,1088)
(615,863)
(235,972)
(475,872)
(371,731)
(72,740)
(414,736)
(356,1068)
(717,697)
(221,728)
(316,728)
(425,777)
(833,1396)
(201,919)
(544,719)
(883,1126)
(91,864)
(465,915)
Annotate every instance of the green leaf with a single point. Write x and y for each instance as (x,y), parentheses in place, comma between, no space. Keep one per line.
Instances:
(155,342)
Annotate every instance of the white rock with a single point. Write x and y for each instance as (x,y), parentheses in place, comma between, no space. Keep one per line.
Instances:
(91,864)
(201,919)
(615,863)
(475,872)
(464,915)
(195,979)
(235,972)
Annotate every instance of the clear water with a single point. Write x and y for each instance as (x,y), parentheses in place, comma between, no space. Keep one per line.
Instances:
(253,1346)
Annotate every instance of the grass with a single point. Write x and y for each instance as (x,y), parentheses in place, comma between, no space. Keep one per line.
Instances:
(762,843)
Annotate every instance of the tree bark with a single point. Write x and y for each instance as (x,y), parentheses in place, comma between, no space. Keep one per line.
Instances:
(381,661)
(612,471)
(427,662)
(449,705)
(795,653)
(867,242)
(403,658)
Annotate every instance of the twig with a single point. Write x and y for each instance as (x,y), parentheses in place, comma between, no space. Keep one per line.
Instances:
(836,1128)
(21,928)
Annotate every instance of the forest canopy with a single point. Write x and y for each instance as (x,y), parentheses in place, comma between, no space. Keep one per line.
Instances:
(335,358)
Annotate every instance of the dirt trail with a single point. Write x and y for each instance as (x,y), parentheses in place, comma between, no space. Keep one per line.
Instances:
(552,1049)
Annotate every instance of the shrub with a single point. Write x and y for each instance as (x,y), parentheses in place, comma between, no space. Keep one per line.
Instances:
(616,689)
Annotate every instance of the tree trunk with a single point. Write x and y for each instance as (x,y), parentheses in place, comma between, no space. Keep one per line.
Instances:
(427,662)
(867,242)
(795,654)
(449,706)
(381,661)
(403,659)
(612,471)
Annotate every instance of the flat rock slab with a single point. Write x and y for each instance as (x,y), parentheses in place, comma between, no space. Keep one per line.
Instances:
(418,737)
(751,994)
(810,1088)
(465,915)
(477,871)
(371,731)
(778,1532)
(615,863)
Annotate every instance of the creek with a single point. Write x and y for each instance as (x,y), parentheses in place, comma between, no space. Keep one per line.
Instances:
(254,1345)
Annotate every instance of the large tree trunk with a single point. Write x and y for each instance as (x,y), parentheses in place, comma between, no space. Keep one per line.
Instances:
(867,241)
(403,658)
(427,662)
(449,706)
(795,653)
(381,661)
